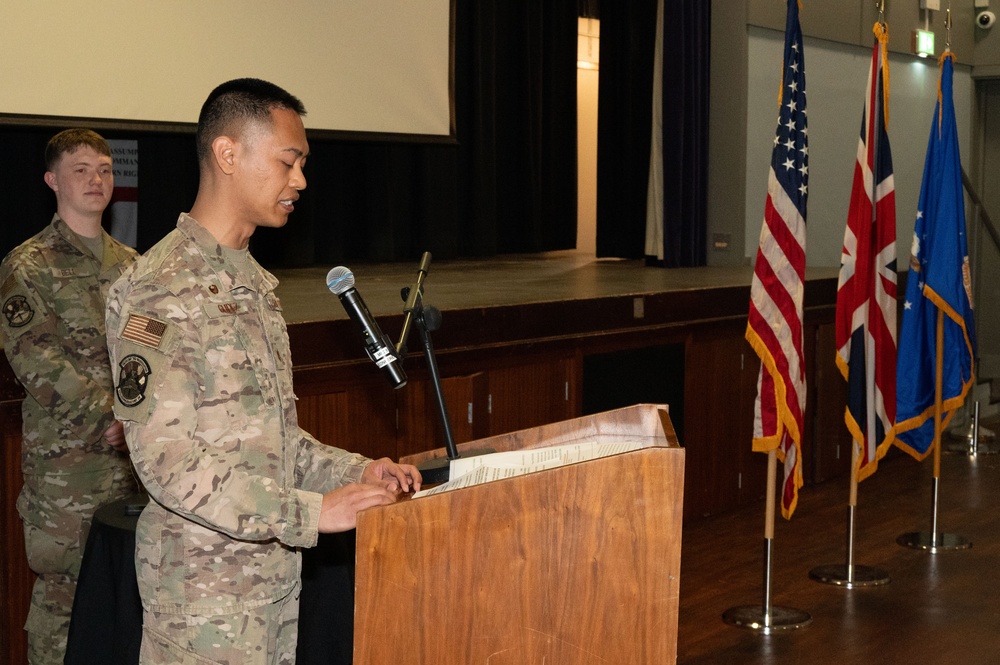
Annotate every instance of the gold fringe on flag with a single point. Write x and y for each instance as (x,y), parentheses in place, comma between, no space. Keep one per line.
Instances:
(881,31)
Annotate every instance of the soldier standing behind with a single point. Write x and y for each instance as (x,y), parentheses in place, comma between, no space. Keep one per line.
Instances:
(53,289)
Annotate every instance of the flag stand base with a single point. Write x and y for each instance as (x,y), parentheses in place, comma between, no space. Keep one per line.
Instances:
(849,574)
(766,617)
(968,441)
(968,448)
(938,542)
(849,577)
(754,618)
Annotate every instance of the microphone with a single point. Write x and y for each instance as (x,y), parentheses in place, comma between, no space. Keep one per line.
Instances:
(340,281)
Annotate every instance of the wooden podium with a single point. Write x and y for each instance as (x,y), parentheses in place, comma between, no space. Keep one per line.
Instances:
(573,565)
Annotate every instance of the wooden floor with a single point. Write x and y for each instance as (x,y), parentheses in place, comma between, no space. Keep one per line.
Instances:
(938,608)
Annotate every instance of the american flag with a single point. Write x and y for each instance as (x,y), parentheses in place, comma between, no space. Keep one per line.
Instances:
(774,327)
(144,330)
(866,293)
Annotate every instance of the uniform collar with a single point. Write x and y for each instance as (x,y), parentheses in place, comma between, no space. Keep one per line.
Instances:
(113,254)
(70,236)
(229,275)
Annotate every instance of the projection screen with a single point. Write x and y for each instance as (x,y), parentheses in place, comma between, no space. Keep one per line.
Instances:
(365,66)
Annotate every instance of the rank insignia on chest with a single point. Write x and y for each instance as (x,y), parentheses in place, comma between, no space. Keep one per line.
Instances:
(144,330)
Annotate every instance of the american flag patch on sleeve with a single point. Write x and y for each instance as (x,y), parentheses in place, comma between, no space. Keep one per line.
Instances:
(8,286)
(144,330)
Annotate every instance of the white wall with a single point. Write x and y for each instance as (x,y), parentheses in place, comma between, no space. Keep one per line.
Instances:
(836,78)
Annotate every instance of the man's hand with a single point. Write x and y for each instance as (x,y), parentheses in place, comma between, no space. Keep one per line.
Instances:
(342,505)
(114,436)
(392,476)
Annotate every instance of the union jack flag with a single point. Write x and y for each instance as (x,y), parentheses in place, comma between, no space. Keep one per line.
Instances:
(866,293)
(774,326)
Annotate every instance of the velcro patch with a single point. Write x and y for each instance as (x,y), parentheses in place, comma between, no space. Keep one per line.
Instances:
(8,285)
(133,378)
(17,310)
(214,309)
(272,301)
(144,330)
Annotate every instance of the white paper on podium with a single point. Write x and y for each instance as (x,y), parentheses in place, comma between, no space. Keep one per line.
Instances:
(469,471)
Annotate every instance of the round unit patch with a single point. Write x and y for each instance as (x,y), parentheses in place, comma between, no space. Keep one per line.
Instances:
(18,311)
(132,379)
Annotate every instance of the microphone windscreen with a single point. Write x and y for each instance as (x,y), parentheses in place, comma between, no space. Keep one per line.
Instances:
(339,280)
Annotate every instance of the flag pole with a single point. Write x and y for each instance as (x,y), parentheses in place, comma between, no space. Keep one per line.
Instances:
(934,541)
(766,617)
(969,443)
(774,322)
(850,575)
(867,222)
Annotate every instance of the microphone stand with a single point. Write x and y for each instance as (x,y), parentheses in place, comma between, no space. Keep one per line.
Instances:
(435,470)
(428,319)
(414,297)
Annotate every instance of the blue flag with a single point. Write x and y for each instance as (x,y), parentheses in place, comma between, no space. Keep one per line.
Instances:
(939,280)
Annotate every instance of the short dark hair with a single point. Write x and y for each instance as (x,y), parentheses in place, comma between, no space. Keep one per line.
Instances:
(69,140)
(234,104)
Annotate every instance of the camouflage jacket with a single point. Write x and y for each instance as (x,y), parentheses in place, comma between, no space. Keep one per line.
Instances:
(205,389)
(53,292)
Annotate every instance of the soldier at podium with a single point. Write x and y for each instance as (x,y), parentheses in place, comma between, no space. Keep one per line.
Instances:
(204,387)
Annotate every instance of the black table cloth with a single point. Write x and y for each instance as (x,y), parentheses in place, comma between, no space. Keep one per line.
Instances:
(106,627)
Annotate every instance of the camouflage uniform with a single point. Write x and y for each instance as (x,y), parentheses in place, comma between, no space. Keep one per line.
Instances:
(53,291)
(205,389)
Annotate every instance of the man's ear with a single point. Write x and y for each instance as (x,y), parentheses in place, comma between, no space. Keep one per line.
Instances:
(224,150)
(51,181)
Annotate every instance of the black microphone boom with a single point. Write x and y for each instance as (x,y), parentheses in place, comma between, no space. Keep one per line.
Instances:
(340,281)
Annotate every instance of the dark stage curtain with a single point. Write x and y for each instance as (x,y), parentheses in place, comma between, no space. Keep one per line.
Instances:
(686,54)
(624,128)
(506,185)
(624,109)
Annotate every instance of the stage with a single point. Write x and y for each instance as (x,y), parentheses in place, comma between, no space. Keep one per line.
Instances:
(506,281)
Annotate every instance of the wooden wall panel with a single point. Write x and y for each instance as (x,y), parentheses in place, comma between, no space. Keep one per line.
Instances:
(716,434)
(720,392)
(536,392)
(752,466)
(361,420)
(466,399)
(831,444)
(16,579)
